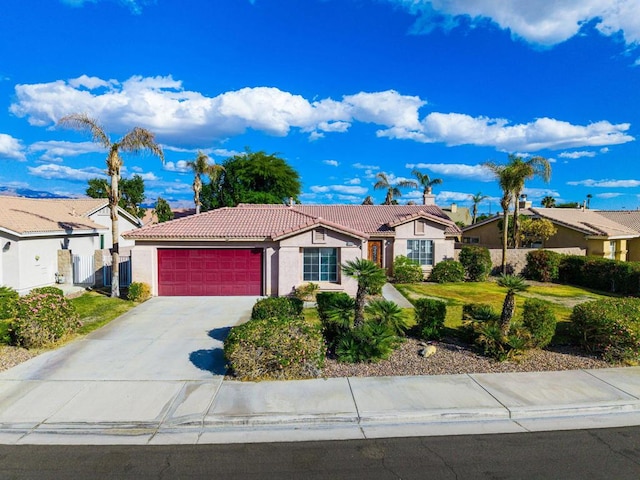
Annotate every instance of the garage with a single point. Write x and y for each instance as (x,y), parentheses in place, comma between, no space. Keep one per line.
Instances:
(209,272)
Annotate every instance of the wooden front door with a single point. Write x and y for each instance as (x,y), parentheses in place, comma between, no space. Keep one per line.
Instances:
(375,252)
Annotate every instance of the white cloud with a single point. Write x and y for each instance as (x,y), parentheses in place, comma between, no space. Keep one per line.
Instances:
(135,6)
(360,166)
(11,148)
(354,181)
(539,22)
(447,197)
(344,189)
(539,192)
(608,195)
(183,117)
(458,170)
(61,172)
(180,166)
(606,183)
(333,163)
(54,150)
(576,154)
(149,176)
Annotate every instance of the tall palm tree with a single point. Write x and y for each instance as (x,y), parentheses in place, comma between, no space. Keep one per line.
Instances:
(393,191)
(507,180)
(201,166)
(476,199)
(589,197)
(425,182)
(525,170)
(548,202)
(513,284)
(370,279)
(134,141)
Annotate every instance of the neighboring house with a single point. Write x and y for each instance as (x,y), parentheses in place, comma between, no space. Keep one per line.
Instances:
(35,233)
(460,215)
(630,219)
(271,249)
(586,229)
(150,216)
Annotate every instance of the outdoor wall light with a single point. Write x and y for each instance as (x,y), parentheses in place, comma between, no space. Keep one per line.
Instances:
(6,247)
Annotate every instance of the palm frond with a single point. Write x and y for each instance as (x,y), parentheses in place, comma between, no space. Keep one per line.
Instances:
(81,121)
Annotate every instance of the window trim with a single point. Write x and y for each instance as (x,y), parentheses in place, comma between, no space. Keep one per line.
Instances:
(332,270)
(422,258)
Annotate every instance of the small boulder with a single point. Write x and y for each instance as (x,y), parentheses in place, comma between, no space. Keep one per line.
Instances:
(427,351)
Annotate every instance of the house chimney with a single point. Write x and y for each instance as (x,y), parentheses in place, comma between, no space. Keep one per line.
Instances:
(454,208)
(291,201)
(428,199)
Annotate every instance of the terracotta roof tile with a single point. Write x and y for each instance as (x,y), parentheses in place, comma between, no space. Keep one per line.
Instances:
(588,221)
(274,221)
(39,215)
(628,218)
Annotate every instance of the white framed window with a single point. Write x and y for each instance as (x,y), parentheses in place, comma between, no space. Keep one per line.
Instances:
(320,264)
(420,251)
(612,249)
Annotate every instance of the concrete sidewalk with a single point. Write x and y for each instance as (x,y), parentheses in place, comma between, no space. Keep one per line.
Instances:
(216,411)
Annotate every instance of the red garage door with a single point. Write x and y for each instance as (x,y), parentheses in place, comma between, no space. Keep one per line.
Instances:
(209,272)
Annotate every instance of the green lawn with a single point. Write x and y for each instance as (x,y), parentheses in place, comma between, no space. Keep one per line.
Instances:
(96,310)
(455,295)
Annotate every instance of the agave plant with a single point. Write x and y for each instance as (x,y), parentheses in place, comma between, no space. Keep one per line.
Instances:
(389,314)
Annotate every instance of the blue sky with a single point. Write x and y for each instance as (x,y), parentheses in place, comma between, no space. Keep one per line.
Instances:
(342,89)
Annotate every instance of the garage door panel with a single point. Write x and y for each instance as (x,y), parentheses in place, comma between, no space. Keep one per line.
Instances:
(210,272)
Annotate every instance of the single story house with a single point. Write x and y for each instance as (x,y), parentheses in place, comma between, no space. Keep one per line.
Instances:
(631,220)
(271,249)
(460,215)
(587,229)
(38,237)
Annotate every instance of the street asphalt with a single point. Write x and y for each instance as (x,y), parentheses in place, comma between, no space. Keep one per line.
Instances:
(156,376)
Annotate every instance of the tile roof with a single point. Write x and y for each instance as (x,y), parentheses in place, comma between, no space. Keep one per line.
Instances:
(628,218)
(589,222)
(275,221)
(26,216)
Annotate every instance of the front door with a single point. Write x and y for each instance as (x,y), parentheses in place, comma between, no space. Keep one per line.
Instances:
(375,252)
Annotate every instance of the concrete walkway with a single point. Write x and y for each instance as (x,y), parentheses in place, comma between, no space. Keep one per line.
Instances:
(151,390)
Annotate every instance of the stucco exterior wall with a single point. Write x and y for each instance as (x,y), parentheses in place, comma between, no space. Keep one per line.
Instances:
(442,248)
(103,217)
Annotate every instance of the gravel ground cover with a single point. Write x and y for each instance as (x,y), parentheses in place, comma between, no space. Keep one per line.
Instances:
(12,356)
(452,357)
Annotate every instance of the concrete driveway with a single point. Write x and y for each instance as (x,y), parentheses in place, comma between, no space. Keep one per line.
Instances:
(165,338)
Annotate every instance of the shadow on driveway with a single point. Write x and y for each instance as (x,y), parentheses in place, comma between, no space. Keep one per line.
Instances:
(212,360)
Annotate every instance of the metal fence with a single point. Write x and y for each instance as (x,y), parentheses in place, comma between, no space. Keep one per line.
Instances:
(84,272)
(125,271)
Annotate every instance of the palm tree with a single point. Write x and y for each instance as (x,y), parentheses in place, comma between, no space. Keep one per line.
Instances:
(426,183)
(134,141)
(589,197)
(548,202)
(476,199)
(507,180)
(368,200)
(201,166)
(393,191)
(513,284)
(525,170)
(370,278)
(388,313)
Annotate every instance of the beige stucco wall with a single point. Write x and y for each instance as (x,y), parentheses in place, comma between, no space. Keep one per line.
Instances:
(602,248)
(442,248)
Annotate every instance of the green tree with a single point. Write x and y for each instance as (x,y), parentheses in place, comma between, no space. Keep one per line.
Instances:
(524,170)
(370,279)
(163,210)
(476,199)
(537,230)
(425,182)
(134,141)
(513,284)
(393,191)
(202,167)
(548,202)
(252,177)
(507,179)
(131,193)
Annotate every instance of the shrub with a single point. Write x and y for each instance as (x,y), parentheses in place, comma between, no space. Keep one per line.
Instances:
(324,301)
(306,292)
(406,270)
(279,307)
(476,262)
(8,300)
(542,265)
(538,318)
(474,314)
(43,318)
(338,318)
(430,315)
(610,326)
(51,290)
(501,347)
(370,342)
(388,314)
(447,271)
(601,274)
(570,269)
(275,349)
(139,292)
